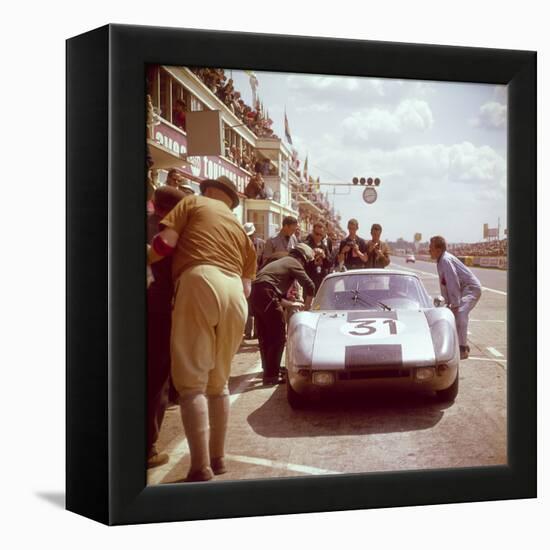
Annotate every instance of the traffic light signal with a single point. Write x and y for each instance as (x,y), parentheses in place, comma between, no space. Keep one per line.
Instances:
(368,181)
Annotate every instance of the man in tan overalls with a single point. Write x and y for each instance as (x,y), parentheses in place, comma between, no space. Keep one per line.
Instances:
(213,264)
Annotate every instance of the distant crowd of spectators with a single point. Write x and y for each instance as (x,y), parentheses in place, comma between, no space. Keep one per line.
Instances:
(253,118)
(485,248)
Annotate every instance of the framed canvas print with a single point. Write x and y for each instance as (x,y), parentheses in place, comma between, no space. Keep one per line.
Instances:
(301,274)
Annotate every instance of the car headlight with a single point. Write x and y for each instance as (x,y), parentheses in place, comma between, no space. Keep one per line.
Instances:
(323,378)
(442,369)
(424,373)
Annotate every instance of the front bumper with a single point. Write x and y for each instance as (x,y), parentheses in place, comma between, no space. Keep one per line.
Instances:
(344,380)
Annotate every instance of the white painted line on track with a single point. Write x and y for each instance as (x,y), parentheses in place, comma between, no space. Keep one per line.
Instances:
(281,465)
(178,448)
(403,268)
(495,352)
(487,359)
(502,293)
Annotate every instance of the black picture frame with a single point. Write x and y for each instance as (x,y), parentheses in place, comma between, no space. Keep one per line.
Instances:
(106,323)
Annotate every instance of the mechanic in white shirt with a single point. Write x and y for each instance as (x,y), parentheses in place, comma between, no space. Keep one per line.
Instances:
(459,286)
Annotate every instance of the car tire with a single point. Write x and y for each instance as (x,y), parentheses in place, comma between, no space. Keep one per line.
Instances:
(449,394)
(295,400)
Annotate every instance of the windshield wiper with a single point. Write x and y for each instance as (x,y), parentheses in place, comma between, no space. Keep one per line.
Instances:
(385,306)
(357,296)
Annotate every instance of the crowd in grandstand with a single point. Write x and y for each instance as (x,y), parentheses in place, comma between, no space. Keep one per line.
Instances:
(254,118)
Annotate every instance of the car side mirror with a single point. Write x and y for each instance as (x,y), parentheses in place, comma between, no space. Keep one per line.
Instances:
(439,301)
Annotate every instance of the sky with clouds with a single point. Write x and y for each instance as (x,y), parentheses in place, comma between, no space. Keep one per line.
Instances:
(439,148)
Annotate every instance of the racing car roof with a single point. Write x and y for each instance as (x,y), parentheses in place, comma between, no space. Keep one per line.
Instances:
(370,272)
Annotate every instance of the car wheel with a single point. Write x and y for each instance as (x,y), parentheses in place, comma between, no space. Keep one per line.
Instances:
(295,400)
(450,393)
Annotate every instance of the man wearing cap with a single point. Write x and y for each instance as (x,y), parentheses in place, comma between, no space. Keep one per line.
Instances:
(213,256)
(267,298)
(186,189)
(377,250)
(250,230)
(259,244)
(459,286)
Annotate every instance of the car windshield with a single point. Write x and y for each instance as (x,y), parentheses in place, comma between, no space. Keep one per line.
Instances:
(372,292)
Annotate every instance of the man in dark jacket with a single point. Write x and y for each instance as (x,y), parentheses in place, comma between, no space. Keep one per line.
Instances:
(320,267)
(159,323)
(353,249)
(268,291)
(377,250)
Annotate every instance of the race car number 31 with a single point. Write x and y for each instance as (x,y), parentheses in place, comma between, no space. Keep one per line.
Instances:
(370,327)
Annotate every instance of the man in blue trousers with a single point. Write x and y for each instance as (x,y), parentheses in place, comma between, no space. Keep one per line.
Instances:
(459,286)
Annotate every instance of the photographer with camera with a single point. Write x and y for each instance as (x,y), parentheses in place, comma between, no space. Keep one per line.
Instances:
(377,250)
(352,253)
(320,267)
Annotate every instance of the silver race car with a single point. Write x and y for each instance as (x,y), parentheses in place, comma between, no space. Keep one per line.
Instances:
(372,328)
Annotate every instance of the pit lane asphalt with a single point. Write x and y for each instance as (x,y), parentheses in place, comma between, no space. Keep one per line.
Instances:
(371,432)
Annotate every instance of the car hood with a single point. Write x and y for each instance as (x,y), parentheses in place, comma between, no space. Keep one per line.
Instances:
(355,339)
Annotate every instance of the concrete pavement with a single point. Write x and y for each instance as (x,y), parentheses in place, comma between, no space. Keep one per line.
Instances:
(365,433)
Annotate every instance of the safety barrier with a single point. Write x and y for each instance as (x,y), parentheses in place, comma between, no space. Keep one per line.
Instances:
(495,262)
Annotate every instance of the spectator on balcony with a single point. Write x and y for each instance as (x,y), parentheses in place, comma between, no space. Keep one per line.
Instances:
(248,115)
(258,166)
(178,114)
(246,162)
(377,250)
(256,188)
(241,108)
(352,253)
(267,169)
(286,239)
(235,155)
(225,93)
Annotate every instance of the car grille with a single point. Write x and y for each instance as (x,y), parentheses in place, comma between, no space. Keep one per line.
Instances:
(369,373)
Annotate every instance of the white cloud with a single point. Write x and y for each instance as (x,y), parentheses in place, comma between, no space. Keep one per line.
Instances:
(383,128)
(415,114)
(468,163)
(315,108)
(492,116)
(500,94)
(407,171)
(344,91)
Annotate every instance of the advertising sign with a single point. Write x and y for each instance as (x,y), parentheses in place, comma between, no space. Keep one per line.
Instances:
(210,167)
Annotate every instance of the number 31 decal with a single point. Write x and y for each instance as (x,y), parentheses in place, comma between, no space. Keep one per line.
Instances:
(369,329)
